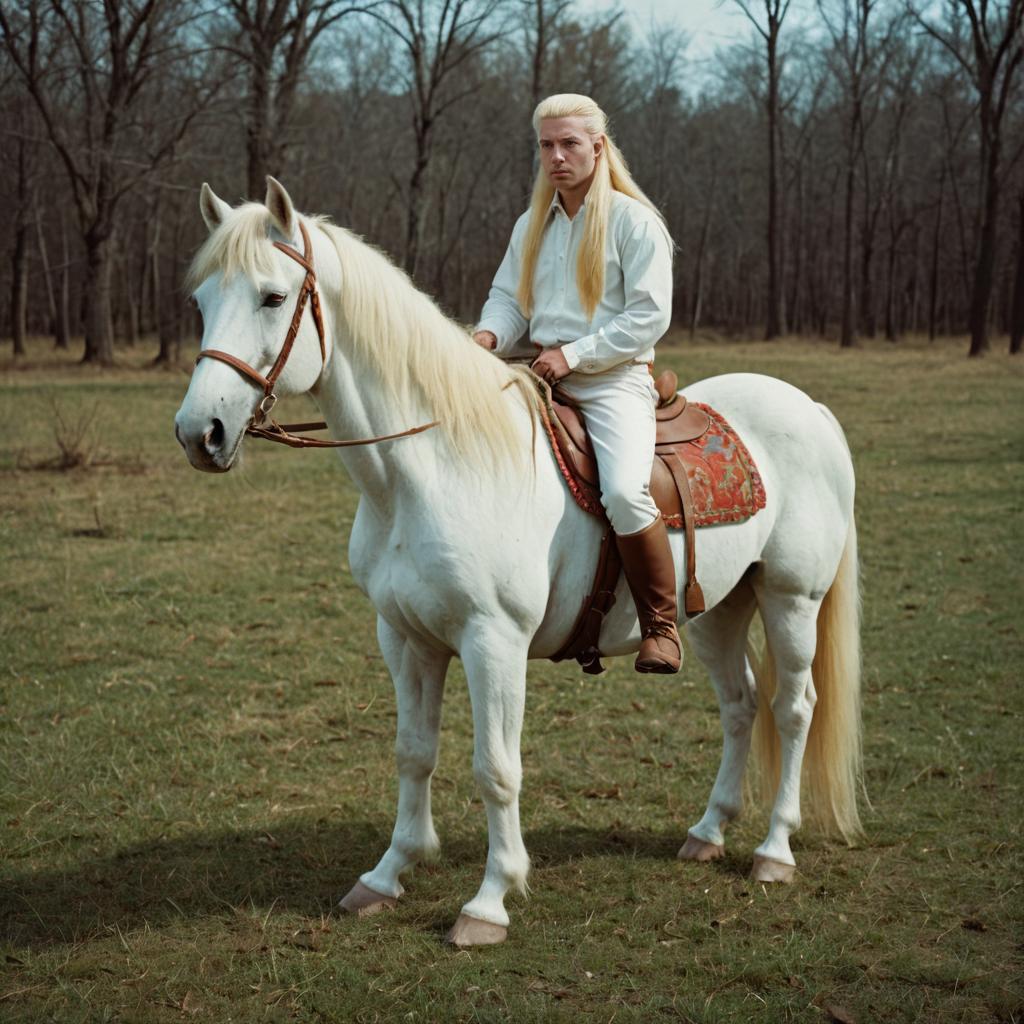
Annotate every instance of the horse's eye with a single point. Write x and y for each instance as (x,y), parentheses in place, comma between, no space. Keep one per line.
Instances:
(274,299)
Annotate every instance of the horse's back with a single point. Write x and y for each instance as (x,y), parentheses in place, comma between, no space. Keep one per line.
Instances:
(796,442)
(805,464)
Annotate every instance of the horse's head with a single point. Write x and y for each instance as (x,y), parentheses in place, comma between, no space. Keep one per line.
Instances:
(263,337)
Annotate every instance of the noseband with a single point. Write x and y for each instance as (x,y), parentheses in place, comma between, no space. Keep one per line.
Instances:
(258,425)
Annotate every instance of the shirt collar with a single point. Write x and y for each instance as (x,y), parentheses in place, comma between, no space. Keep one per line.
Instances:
(555,206)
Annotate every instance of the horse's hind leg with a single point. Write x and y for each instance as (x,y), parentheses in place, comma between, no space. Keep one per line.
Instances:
(719,638)
(418,674)
(496,673)
(790,623)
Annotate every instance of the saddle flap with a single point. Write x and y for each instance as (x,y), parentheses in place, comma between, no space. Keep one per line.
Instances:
(574,442)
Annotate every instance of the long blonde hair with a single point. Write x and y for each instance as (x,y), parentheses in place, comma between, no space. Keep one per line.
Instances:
(610,174)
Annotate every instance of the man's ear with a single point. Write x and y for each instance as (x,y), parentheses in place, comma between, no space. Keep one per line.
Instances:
(599,145)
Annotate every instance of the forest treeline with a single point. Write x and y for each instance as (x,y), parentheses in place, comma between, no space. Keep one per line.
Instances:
(847,169)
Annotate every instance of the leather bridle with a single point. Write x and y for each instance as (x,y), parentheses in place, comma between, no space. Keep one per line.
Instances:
(269,429)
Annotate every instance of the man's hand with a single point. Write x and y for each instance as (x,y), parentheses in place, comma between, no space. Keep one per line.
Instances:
(551,365)
(486,339)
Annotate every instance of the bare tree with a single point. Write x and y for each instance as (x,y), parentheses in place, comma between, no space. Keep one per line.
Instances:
(774,14)
(857,62)
(990,52)
(90,114)
(1017,309)
(439,37)
(273,39)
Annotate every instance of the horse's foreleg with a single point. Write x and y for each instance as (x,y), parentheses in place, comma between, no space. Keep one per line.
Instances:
(790,623)
(719,638)
(496,672)
(418,675)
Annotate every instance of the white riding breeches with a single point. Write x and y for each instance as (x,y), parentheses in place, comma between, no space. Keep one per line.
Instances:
(618,407)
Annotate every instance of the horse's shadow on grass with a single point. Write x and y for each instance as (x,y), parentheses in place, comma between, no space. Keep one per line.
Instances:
(303,868)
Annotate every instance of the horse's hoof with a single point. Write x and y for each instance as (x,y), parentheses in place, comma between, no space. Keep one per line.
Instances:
(471,931)
(363,901)
(697,849)
(767,870)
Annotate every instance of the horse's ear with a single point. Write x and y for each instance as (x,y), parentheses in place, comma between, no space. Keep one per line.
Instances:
(279,203)
(212,207)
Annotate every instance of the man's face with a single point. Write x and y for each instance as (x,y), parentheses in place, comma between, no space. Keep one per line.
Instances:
(567,153)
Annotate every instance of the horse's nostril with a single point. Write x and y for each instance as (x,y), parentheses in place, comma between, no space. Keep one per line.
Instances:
(214,437)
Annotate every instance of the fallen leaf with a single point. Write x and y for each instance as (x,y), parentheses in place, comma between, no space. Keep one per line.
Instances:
(190,1004)
(835,1014)
(614,793)
(305,940)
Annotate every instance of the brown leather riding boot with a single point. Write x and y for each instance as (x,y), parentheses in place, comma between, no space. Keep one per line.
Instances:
(651,575)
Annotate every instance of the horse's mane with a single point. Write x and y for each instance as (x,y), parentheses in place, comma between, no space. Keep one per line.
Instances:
(393,330)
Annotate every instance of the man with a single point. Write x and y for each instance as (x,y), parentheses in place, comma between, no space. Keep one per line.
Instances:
(589,272)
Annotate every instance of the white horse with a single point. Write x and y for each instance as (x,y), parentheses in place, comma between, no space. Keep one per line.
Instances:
(468,543)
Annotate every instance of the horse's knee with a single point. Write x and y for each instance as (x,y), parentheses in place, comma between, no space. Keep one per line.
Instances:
(416,756)
(499,783)
(737,718)
(792,717)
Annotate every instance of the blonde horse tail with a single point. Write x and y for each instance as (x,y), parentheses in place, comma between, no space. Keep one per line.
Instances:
(832,770)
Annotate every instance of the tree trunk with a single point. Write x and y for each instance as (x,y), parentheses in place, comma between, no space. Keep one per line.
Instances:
(890,290)
(698,269)
(258,147)
(19,258)
(868,319)
(933,283)
(19,289)
(847,336)
(796,295)
(981,291)
(536,94)
(44,259)
(99,345)
(773,326)
(1017,309)
(62,333)
(414,215)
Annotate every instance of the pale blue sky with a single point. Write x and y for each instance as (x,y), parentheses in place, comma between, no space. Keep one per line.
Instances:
(709,23)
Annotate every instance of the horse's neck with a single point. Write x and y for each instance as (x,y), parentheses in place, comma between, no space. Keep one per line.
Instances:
(389,470)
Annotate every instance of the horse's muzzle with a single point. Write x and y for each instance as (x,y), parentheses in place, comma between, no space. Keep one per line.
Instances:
(206,444)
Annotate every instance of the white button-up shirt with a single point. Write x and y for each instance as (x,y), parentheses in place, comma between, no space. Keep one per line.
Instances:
(633,313)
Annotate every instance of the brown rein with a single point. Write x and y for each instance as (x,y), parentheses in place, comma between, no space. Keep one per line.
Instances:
(282,432)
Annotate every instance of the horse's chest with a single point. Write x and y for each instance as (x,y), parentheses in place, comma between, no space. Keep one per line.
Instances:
(420,584)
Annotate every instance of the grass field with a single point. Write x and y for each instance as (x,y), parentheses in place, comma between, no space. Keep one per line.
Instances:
(196,733)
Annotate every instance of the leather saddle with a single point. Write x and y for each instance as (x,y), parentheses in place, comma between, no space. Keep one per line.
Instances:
(678,422)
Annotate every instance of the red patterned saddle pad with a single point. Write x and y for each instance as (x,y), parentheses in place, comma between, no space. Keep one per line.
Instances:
(725,484)
(724,480)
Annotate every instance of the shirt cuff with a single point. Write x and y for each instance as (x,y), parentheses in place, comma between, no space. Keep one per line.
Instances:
(495,327)
(580,354)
